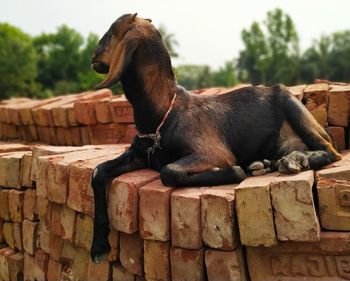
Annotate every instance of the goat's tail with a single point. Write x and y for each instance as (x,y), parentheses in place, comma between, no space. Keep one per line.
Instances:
(304,124)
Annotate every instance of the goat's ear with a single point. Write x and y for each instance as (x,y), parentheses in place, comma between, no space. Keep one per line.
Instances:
(121,57)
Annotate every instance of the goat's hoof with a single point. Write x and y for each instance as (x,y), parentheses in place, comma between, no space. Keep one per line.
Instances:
(100,252)
(293,163)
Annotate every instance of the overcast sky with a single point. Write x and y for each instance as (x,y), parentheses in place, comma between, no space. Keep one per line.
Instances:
(208,31)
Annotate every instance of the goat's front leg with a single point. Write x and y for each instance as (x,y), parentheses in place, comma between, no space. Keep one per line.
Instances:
(193,170)
(103,174)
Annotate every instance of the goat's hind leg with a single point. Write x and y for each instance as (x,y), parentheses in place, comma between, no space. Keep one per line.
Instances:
(193,170)
(103,174)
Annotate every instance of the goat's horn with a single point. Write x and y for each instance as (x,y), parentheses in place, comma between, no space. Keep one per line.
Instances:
(133,17)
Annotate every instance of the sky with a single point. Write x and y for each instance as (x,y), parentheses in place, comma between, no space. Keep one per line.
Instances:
(208,32)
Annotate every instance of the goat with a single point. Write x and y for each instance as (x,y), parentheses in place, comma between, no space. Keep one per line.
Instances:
(195,140)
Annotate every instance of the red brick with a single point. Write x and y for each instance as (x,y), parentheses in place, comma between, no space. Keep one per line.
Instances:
(338,137)
(76,138)
(106,133)
(60,136)
(16,266)
(225,265)
(324,260)
(333,191)
(2,238)
(80,196)
(121,110)
(187,265)
(11,147)
(26,166)
(40,267)
(131,253)
(85,112)
(68,137)
(219,222)
(17,236)
(10,169)
(29,204)
(58,171)
(316,96)
(293,206)
(67,223)
(28,271)
(157,268)
(81,264)
(30,234)
(154,211)
(84,231)
(84,134)
(123,199)
(56,246)
(103,115)
(113,239)
(130,133)
(42,209)
(297,91)
(4,204)
(99,272)
(16,200)
(8,234)
(44,134)
(339,105)
(68,253)
(120,274)
(44,237)
(5,253)
(186,231)
(255,217)
(54,270)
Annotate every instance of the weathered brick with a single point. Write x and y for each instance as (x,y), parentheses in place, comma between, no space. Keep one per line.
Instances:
(327,259)
(68,137)
(84,134)
(106,133)
(298,91)
(255,217)
(187,265)
(10,169)
(42,209)
(28,271)
(2,238)
(103,115)
(76,137)
(113,239)
(316,96)
(219,223)
(17,235)
(8,234)
(41,260)
(130,133)
(338,137)
(26,166)
(11,147)
(30,234)
(333,191)
(121,110)
(339,105)
(60,136)
(154,211)
(157,268)
(293,206)
(131,253)
(56,246)
(99,272)
(85,112)
(16,200)
(43,237)
(186,231)
(16,266)
(121,274)
(54,270)
(225,265)
(123,199)
(5,253)
(44,134)
(29,204)
(81,264)
(4,204)
(84,231)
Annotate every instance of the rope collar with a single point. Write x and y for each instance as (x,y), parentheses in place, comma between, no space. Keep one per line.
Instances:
(156,137)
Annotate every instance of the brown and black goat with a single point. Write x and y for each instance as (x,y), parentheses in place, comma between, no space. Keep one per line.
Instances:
(195,140)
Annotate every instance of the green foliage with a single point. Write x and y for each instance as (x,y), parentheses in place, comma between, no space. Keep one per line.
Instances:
(17,63)
(272,56)
(169,41)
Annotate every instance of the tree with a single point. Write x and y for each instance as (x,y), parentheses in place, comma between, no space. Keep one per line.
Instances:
(59,59)
(339,56)
(225,76)
(273,56)
(17,63)
(169,41)
(194,76)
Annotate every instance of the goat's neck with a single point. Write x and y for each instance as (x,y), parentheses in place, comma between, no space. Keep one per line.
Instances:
(150,91)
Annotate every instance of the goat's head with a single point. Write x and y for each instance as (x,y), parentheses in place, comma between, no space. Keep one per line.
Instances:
(115,49)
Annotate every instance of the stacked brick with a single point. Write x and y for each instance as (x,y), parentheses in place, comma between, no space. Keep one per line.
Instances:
(75,119)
